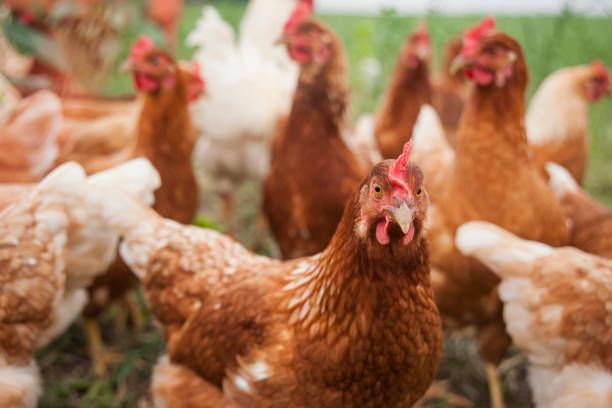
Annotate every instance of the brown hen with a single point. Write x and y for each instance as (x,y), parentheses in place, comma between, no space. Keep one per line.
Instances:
(491,179)
(28,138)
(408,90)
(353,326)
(165,137)
(557,118)
(312,172)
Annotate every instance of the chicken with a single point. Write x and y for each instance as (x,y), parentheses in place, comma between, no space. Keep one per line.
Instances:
(250,84)
(431,150)
(74,43)
(163,135)
(557,309)
(28,138)
(162,130)
(449,92)
(98,133)
(491,179)
(590,221)
(313,172)
(565,95)
(353,326)
(408,90)
(98,137)
(53,242)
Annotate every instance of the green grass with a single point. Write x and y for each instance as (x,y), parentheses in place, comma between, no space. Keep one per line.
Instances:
(548,43)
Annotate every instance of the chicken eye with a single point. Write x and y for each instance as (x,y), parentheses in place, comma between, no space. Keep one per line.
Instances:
(155,60)
(377,190)
(419,192)
(490,51)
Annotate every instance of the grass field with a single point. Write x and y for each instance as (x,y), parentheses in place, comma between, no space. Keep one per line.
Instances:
(549,43)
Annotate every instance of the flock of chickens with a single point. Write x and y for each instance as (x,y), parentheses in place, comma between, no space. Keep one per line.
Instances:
(451,204)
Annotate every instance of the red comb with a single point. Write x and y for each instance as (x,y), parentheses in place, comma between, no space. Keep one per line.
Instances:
(422,28)
(302,11)
(600,69)
(397,170)
(474,35)
(198,86)
(141,47)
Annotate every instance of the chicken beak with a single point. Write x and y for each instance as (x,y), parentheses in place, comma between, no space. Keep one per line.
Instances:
(282,40)
(458,63)
(127,66)
(403,216)
(423,52)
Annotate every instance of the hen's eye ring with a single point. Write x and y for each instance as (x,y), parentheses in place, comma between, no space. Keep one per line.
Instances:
(377,190)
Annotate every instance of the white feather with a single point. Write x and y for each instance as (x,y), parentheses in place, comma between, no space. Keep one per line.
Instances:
(561,181)
(249,86)
(19,385)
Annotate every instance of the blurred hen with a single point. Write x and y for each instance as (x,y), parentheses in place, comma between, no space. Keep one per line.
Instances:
(408,90)
(557,309)
(491,178)
(313,171)
(250,83)
(53,242)
(557,119)
(28,138)
(164,135)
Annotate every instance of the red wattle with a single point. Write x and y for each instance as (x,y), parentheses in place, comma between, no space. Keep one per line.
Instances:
(382,234)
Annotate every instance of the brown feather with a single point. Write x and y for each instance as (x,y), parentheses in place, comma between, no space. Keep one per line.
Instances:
(312,172)
(492,180)
(407,91)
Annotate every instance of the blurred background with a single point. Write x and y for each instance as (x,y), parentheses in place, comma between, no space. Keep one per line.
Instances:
(553,33)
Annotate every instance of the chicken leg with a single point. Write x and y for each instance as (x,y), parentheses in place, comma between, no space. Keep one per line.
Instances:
(228,213)
(99,355)
(495,388)
(129,307)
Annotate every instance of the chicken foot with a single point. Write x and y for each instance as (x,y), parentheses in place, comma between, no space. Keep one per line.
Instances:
(99,355)
(229,205)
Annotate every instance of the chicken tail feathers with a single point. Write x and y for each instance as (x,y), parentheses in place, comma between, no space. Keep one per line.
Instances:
(137,177)
(506,254)
(561,181)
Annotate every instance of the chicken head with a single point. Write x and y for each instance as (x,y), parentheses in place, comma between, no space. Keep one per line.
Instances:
(417,48)
(487,57)
(308,42)
(393,202)
(597,84)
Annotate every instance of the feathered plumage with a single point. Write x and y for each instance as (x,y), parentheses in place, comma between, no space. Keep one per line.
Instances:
(557,309)
(53,242)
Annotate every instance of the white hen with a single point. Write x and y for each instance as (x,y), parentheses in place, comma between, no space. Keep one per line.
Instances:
(53,242)
(557,307)
(249,87)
